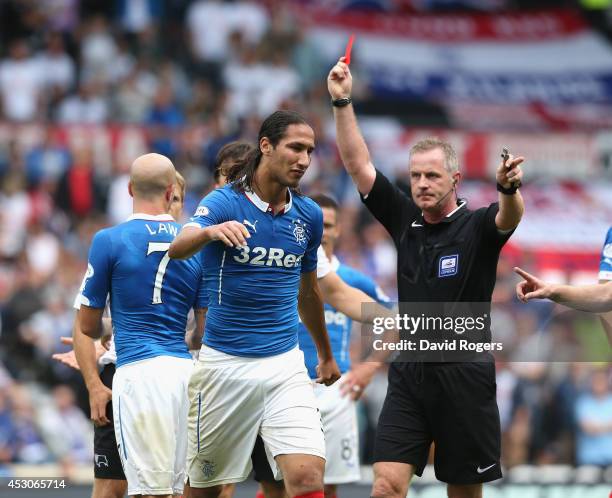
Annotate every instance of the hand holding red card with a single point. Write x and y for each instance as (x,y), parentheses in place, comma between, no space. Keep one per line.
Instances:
(347,52)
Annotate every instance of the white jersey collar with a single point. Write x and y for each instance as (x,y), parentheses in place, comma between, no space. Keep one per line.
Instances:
(151,217)
(263,205)
(335,263)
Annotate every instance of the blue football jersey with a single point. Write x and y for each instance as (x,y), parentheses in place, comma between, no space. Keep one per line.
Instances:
(338,324)
(605,265)
(252,310)
(150,294)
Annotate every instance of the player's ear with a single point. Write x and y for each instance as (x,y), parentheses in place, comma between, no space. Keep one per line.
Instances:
(169,193)
(456,177)
(130,190)
(265,146)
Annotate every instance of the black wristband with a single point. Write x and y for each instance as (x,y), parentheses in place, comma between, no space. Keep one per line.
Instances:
(341,102)
(509,191)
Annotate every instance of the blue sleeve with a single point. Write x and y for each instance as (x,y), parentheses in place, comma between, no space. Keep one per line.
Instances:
(309,262)
(203,295)
(367,285)
(215,208)
(97,283)
(605,264)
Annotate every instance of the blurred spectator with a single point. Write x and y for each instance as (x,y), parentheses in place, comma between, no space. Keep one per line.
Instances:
(165,119)
(132,100)
(14,214)
(66,429)
(79,192)
(202,103)
(506,383)
(47,161)
(119,205)
(98,51)
(258,86)
(307,61)
(594,419)
(7,430)
(138,16)
(21,84)
(89,106)
(57,68)
(42,251)
(61,15)
(27,442)
(211,23)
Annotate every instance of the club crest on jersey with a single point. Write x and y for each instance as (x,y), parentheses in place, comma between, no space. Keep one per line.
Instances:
(299,232)
(208,469)
(448,266)
(202,211)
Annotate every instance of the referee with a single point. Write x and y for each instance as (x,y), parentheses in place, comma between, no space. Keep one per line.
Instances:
(446,253)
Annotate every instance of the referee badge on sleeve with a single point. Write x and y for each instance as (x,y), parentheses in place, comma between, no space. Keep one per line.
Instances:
(448,266)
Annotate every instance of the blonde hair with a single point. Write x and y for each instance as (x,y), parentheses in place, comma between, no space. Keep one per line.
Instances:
(451,163)
(182,185)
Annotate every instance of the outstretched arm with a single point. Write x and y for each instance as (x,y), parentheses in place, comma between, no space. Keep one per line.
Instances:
(595,298)
(349,300)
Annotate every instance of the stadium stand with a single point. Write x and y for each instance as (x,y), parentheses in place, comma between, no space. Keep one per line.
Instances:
(86,86)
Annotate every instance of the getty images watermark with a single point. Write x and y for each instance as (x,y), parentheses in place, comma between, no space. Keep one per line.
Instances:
(474,331)
(436,327)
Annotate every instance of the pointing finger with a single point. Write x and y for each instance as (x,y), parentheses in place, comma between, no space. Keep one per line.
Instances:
(524,274)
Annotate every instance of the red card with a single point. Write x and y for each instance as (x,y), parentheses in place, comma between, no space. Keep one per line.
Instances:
(347,52)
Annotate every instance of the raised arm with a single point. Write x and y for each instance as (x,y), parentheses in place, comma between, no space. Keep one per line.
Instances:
(511,205)
(353,149)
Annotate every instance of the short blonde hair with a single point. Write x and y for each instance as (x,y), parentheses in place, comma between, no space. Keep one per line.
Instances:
(451,163)
(182,185)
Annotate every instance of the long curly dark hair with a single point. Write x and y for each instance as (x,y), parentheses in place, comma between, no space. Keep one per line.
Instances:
(274,127)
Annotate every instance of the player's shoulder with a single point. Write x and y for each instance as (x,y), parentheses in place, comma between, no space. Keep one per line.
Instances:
(609,236)
(225,192)
(479,215)
(306,205)
(223,196)
(105,235)
(102,242)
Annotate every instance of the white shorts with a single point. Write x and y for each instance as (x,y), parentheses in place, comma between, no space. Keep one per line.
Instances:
(339,415)
(150,406)
(235,398)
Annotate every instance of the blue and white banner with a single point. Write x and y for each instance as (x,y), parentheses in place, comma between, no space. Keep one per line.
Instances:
(547,57)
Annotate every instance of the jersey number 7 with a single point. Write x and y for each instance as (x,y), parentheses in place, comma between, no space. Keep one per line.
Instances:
(161,269)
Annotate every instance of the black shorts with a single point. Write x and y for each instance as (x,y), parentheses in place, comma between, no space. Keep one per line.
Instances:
(450,404)
(261,468)
(107,464)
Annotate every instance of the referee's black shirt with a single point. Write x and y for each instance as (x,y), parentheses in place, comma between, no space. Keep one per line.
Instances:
(454,260)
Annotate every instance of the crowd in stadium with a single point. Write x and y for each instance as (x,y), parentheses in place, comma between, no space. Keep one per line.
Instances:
(194,87)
